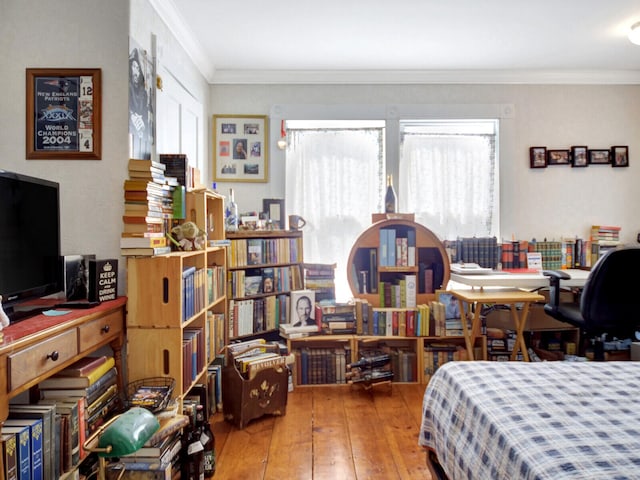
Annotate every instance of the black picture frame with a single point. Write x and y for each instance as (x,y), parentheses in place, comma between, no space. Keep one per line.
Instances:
(63,113)
(599,157)
(620,156)
(558,157)
(579,156)
(538,157)
(274,209)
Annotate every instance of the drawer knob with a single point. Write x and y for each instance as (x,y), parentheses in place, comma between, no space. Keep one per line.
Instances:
(105,329)
(53,356)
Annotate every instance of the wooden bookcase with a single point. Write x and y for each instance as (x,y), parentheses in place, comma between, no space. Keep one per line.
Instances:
(367,252)
(254,309)
(177,305)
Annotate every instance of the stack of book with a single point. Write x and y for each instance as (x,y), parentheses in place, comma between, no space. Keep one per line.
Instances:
(320,277)
(85,395)
(148,209)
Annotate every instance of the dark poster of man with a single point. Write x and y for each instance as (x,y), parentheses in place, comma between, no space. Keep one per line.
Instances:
(141,102)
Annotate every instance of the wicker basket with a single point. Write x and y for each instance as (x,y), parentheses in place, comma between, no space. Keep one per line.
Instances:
(151,393)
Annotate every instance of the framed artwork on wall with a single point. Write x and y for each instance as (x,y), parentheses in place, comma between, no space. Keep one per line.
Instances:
(599,157)
(579,156)
(240,149)
(538,157)
(558,157)
(620,156)
(63,113)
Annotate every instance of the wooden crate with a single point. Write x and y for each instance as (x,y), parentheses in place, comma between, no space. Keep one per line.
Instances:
(244,400)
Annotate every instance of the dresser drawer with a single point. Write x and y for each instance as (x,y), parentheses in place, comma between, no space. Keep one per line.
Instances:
(39,359)
(100,329)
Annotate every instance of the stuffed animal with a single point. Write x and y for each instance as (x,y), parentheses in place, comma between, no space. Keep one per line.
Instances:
(188,236)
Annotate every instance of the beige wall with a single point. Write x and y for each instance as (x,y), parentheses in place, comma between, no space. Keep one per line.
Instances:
(536,203)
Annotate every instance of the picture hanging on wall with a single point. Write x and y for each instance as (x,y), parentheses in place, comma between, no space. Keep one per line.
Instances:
(599,157)
(538,157)
(141,102)
(579,156)
(63,113)
(558,157)
(240,149)
(620,156)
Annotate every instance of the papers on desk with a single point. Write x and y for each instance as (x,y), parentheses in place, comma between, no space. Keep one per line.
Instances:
(470,269)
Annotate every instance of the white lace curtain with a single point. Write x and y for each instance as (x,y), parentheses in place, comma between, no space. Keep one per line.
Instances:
(449,182)
(334,181)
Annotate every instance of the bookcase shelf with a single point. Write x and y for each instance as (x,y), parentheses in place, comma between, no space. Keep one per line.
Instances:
(177,306)
(263,268)
(419,252)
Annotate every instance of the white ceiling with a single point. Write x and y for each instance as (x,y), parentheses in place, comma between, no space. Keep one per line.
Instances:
(408,41)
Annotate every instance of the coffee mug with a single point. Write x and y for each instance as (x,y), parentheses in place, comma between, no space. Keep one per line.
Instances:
(296,222)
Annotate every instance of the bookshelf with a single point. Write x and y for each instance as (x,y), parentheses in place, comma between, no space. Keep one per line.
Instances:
(263,268)
(373,260)
(177,305)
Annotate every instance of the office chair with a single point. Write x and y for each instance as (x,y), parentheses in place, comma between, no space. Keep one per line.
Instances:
(610,300)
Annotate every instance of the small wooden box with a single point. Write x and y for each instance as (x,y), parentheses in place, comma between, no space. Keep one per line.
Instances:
(244,400)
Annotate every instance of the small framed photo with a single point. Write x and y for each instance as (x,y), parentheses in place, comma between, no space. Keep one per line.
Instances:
(274,208)
(599,157)
(579,156)
(558,157)
(538,157)
(620,156)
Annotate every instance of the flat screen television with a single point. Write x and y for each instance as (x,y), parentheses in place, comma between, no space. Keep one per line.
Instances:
(29,243)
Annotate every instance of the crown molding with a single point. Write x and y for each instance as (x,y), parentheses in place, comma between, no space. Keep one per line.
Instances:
(171,16)
(538,77)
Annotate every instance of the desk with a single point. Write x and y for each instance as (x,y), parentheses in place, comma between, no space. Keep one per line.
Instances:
(502,296)
(530,281)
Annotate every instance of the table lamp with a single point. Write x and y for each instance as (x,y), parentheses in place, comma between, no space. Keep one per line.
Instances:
(124,434)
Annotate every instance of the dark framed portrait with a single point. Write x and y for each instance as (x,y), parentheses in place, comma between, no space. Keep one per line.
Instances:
(558,157)
(579,156)
(538,157)
(599,157)
(619,156)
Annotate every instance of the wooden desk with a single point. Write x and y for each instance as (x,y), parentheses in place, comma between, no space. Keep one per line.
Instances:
(36,348)
(501,296)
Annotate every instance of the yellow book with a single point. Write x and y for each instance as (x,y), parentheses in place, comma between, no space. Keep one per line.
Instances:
(59,381)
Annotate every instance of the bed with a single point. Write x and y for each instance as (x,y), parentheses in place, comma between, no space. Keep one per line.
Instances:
(545,420)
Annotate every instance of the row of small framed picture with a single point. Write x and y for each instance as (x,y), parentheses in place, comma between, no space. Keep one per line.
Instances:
(579,156)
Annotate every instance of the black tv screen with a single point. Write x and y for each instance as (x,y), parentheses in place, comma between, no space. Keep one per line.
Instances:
(29,242)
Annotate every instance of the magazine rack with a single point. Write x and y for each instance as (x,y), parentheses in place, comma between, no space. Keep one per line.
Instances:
(244,400)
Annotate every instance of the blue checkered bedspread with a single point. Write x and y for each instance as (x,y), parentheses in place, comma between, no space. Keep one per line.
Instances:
(547,420)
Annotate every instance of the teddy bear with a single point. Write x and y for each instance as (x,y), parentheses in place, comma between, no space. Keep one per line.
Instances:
(188,236)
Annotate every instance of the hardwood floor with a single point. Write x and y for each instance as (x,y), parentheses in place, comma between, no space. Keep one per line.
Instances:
(329,432)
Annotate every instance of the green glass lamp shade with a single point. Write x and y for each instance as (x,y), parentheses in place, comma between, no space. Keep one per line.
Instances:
(129,432)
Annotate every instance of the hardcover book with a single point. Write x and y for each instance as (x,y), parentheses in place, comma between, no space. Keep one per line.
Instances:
(23,447)
(9,456)
(36,438)
(59,381)
(103,279)
(47,414)
(83,366)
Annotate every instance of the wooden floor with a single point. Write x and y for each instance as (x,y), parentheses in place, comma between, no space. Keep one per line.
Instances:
(329,432)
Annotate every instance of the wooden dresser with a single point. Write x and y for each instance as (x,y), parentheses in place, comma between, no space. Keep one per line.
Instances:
(40,346)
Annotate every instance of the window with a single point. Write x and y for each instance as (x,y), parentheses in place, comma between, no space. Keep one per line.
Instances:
(448,176)
(335,180)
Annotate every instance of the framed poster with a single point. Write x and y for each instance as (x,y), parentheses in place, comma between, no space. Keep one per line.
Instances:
(63,113)
(240,149)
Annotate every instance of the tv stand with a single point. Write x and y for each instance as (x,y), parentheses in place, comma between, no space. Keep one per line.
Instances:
(38,347)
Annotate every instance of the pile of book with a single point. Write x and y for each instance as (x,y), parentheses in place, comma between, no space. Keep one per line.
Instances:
(320,277)
(336,318)
(148,209)
(73,404)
